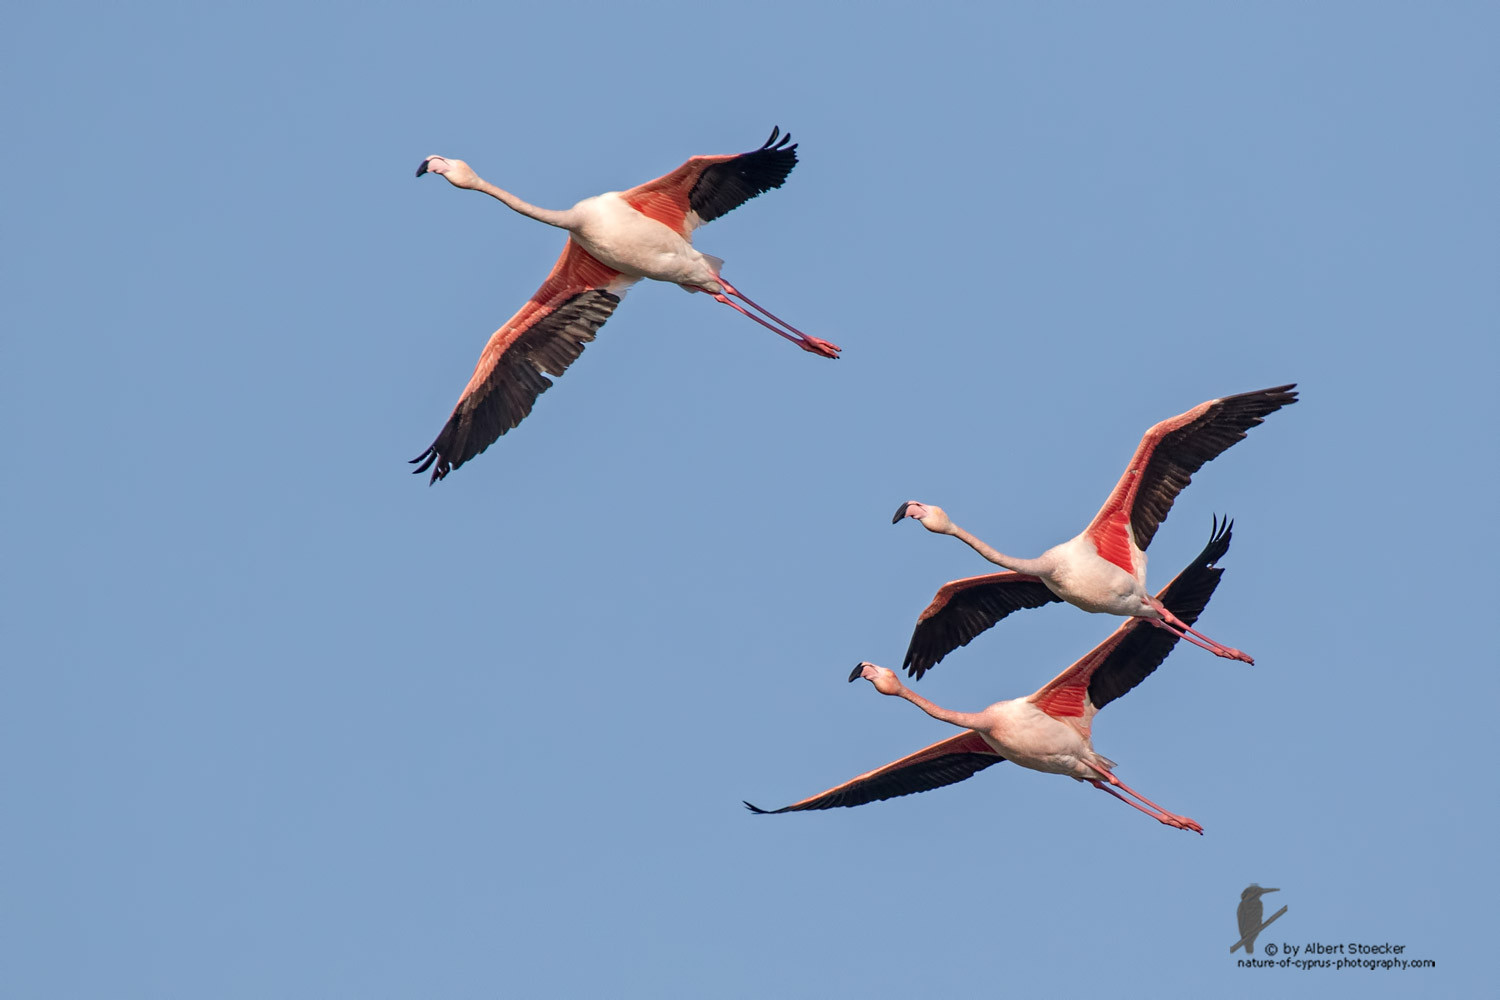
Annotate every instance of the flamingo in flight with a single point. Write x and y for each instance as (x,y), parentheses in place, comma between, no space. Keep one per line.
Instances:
(1102,570)
(615,239)
(1047,731)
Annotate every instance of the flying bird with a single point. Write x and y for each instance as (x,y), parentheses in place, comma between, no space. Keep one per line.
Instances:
(615,239)
(1049,730)
(1249,914)
(1102,570)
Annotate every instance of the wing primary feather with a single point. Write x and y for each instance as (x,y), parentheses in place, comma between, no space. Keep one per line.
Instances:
(1164,463)
(499,399)
(943,763)
(963,609)
(1183,450)
(727,184)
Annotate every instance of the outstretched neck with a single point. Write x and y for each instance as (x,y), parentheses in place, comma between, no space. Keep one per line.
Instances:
(965,720)
(561,219)
(1033,567)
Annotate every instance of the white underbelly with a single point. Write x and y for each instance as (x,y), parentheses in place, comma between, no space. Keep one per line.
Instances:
(638,246)
(1087,581)
(1026,735)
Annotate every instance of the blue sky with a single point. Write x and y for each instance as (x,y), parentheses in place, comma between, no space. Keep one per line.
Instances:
(280,720)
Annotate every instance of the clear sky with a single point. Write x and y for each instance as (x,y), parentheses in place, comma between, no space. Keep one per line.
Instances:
(280,720)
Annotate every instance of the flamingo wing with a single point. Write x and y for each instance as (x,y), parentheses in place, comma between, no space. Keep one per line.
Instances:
(1164,464)
(944,763)
(706,187)
(964,608)
(543,339)
(1135,649)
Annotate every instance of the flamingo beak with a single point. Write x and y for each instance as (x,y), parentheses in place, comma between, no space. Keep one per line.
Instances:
(423,168)
(901,512)
(859,668)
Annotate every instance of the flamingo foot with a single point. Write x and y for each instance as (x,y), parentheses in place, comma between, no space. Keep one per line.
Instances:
(1181,823)
(819,346)
(1230,653)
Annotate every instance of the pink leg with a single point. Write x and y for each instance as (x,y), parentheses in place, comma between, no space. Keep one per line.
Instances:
(741,310)
(1179,633)
(758,308)
(813,345)
(1202,641)
(1159,817)
(1156,811)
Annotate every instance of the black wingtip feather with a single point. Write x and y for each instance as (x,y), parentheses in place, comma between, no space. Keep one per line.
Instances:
(1218,543)
(427,458)
(966,613)
(1185,450)
(922,776)
(1189,592)
(726,185)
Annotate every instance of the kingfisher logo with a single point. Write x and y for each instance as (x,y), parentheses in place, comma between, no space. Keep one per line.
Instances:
(1248,914)
(1250,917)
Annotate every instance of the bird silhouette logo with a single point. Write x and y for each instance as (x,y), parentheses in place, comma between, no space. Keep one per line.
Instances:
(1249,914)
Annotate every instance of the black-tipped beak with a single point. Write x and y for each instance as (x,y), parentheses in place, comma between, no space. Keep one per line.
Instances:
(900,512)
(423,168)
(858,669)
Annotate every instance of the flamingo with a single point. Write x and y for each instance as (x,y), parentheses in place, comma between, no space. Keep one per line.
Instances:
(615,239)
(1102,570)
(1046,731)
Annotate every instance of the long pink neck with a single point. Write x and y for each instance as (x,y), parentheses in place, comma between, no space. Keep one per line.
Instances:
(563,220)
(966,720)
(1033,567)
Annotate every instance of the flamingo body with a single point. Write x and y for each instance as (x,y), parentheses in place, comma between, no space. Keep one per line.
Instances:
(614,240)
(614,233)
(1078,573)
(1039,736)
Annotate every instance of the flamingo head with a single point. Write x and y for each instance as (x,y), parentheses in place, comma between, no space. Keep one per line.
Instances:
(931,517)
(455,172)
(885,681)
